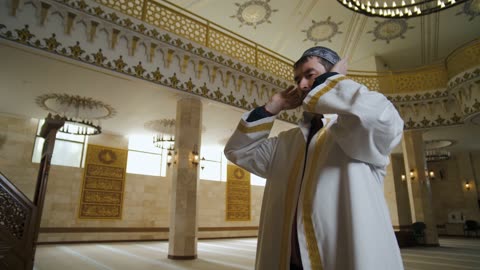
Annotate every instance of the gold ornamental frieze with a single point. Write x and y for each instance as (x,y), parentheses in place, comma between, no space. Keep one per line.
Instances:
(100,36)
(428,109)
(465,77)
(149,41)
(404,82)
(467,96)
(464,58)
(103,183)
(443,112)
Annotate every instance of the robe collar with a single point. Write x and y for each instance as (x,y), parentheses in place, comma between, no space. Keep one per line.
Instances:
(306,122)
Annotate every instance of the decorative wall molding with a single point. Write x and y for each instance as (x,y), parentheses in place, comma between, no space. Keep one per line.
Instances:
(427,109)
(465,89)
(87,32)
(463,59)
(109,38)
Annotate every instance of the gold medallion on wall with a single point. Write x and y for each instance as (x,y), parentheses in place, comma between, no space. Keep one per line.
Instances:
(238,194)
(103,183)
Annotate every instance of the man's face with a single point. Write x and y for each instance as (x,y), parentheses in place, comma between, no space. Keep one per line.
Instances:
(306,73)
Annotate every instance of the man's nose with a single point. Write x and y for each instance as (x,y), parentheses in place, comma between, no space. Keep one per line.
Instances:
(304,84)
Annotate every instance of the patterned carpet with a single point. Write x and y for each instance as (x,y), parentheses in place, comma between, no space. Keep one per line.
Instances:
(454,253)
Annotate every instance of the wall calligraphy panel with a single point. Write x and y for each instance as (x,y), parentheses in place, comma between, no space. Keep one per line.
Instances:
(238,194)
(103,183)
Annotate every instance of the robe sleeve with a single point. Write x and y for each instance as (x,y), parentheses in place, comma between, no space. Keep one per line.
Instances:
(249,147)
(368,126)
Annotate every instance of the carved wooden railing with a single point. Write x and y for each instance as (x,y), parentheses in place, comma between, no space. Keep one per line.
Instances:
(19,217)
(17,221)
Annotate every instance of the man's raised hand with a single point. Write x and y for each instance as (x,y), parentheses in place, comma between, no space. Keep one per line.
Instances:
(287,99)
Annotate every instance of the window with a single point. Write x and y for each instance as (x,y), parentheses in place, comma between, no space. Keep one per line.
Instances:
(256,180)
(144,157)
(213,166)
(69,149)
(212,163)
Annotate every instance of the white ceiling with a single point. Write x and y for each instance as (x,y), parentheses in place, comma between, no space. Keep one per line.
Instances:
(411,43)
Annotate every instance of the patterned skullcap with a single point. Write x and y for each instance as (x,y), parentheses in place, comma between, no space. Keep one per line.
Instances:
(323,52)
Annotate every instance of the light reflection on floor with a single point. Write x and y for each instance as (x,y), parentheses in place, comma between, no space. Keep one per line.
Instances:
(454,253)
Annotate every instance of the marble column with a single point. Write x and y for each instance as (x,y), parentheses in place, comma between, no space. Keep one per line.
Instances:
(182,240)
(467,176)
(396,194)
(419,189)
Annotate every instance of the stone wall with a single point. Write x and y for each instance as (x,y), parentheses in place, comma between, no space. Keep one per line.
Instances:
(452,203)
(146,206)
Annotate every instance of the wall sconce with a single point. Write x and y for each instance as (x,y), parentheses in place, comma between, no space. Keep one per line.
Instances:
(169,158)
(431,174)
(203,166)
(412,174)
(196,155)
(404,178)
(467,185)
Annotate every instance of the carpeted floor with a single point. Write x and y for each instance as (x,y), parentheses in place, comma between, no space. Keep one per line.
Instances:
(454,254)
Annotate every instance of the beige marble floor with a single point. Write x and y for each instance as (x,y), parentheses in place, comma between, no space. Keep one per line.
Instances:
(454,253)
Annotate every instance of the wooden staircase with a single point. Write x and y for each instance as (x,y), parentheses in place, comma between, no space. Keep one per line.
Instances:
(20,217)
(17,222)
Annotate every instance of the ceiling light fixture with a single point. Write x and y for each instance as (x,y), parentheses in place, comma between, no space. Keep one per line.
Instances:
(164,129)
(436,155)
(82,115)
(398,8)
(164,141)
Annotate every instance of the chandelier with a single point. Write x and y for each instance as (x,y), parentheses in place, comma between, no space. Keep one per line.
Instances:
(398,9)
(164,129)
(436,155)
(433,152)
(164,141)
(82,115)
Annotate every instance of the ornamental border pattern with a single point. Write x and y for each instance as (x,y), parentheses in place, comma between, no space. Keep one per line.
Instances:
(76,52)
(464,77)
(118,65)
(407,82)
(151,32)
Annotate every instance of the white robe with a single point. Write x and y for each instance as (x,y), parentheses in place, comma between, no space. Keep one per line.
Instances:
(337,186)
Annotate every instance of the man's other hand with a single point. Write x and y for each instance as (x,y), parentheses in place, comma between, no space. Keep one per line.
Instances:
(287,99)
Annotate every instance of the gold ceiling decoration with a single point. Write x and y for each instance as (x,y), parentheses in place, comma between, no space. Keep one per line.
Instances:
(471,9)
(254,12)
(322,31)
(390,29)
(82,114)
